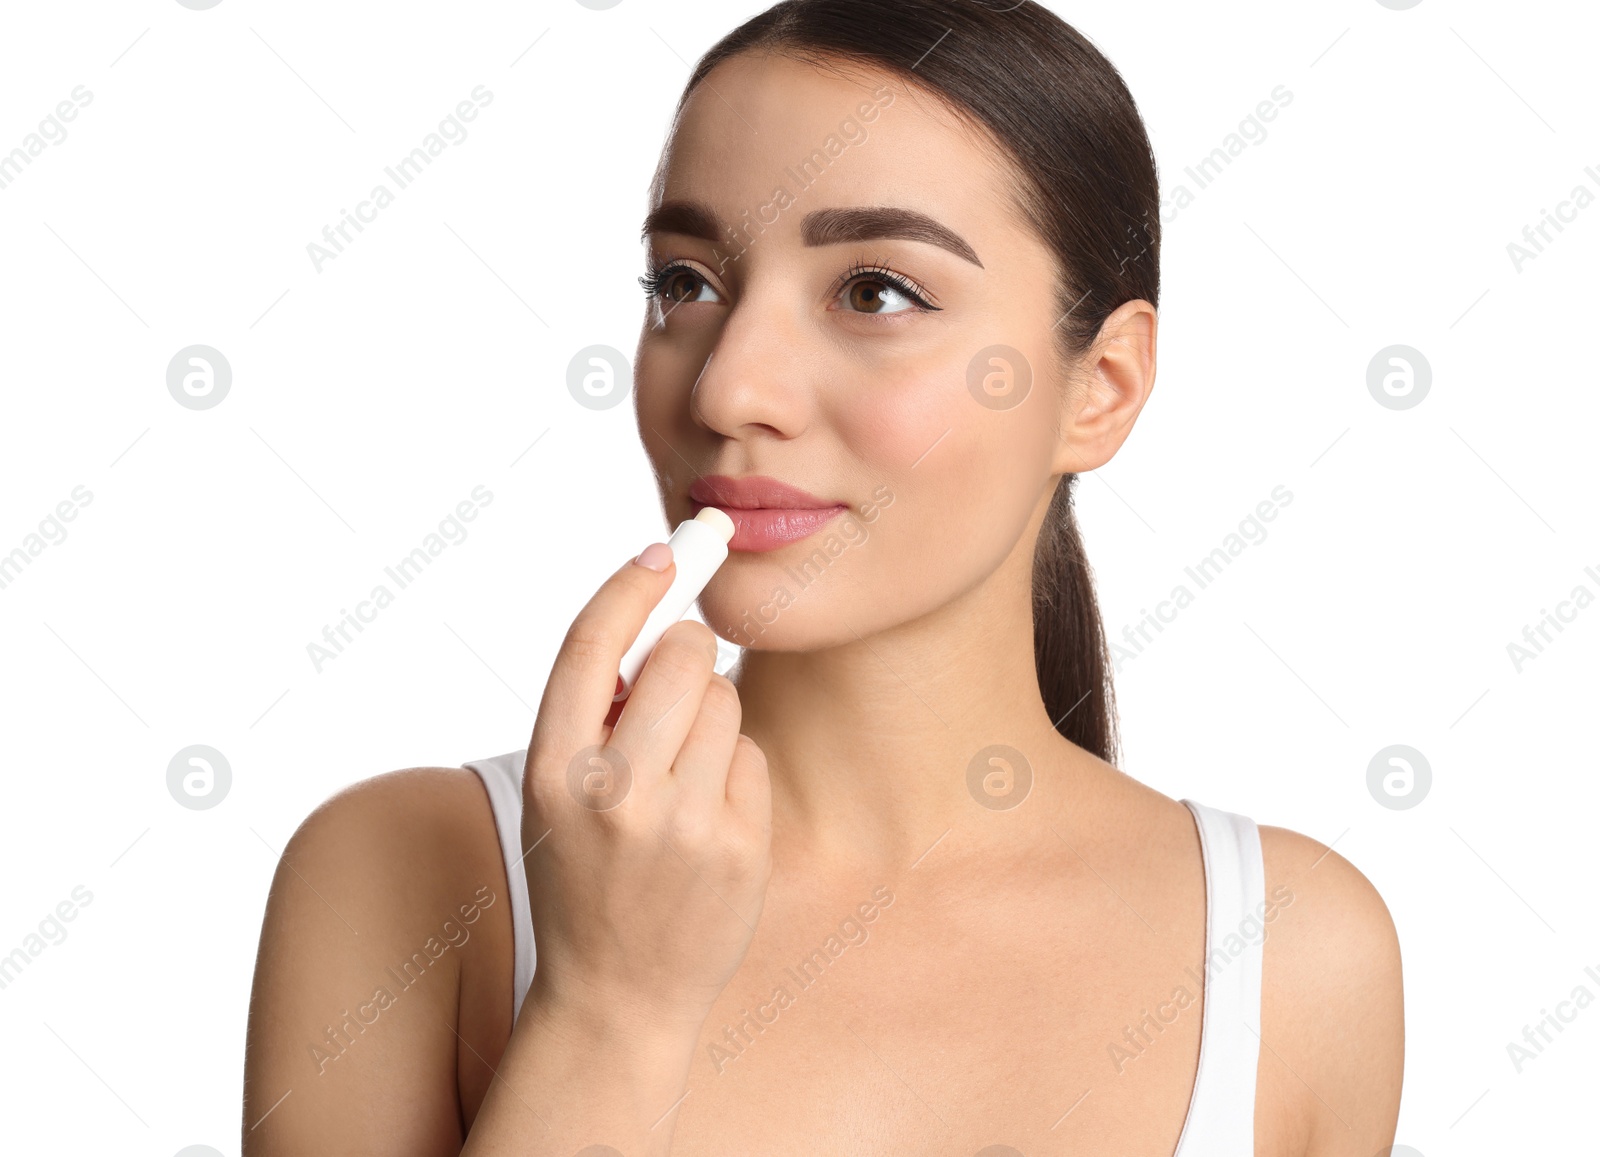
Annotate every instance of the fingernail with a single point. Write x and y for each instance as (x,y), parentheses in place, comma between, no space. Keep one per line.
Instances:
(656,556)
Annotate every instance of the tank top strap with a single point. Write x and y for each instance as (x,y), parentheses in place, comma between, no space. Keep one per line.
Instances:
(502,779)
(1222,1107)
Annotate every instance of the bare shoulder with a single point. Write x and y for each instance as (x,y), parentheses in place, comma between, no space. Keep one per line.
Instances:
(388,907)
(436,805)
(1332,1015)
(398,848)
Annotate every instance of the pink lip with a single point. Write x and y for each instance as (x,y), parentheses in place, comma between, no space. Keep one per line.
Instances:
(766,513)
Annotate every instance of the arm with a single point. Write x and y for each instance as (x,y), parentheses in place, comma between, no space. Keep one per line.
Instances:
(1333,1023)
(352,1046)
(644,886)
(356,1041)
(572,1078)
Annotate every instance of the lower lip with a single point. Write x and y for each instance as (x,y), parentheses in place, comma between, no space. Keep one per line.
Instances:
(769,528)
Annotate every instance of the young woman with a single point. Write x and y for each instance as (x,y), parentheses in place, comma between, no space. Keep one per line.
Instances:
(882,891)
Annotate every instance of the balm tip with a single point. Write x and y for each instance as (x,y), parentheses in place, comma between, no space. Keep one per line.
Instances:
(717,520)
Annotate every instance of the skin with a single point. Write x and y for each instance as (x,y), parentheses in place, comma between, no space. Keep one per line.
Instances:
(1019,945)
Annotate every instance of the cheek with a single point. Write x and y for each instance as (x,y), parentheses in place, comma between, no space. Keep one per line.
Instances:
(655,374)
(963,479)
(954,459)
(890,426)
(661,411)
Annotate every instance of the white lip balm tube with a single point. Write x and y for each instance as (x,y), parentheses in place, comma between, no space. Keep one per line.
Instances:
(699,547)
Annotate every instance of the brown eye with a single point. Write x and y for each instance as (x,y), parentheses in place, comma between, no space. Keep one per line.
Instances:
(676,285)
(868,297)
(874,290)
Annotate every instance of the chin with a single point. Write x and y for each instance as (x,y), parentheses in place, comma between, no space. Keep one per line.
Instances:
(766,603)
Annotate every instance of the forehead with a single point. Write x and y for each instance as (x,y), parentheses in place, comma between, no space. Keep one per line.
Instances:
(760,123)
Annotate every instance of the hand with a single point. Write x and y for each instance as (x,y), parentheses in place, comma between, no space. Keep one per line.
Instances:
(650,839)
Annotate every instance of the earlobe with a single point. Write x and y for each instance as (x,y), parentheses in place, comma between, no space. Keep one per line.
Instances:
(1115,380)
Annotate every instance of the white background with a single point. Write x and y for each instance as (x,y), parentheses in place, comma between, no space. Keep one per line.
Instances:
(371,397)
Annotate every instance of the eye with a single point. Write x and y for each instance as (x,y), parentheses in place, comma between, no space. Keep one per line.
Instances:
(675,284)
(866,288)
(873,289)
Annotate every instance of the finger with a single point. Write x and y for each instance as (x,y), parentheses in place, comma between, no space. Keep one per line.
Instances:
(583,677)
(749,783)
(666,698)
(701,767)
(749,790)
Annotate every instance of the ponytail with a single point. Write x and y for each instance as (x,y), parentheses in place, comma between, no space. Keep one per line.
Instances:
(1069,645)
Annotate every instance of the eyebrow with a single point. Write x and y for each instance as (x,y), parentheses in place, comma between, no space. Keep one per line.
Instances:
(818,227)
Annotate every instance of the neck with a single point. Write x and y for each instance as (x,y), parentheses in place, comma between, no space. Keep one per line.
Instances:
(868,742)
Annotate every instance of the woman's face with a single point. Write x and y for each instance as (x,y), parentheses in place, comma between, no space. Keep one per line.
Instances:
(764,354)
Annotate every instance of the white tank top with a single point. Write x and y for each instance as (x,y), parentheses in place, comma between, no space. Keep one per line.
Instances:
(1221,1120)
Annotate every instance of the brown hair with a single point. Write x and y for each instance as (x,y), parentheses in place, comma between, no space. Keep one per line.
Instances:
(1088,186)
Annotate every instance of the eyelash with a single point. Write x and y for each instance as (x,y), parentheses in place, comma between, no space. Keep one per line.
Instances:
(878,272)
(658,275)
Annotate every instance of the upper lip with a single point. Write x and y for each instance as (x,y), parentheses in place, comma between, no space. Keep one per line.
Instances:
(753,492)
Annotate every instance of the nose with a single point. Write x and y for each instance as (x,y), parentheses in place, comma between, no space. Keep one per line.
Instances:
(752,381)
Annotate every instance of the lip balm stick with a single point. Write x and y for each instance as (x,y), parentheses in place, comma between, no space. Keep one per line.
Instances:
(699,547)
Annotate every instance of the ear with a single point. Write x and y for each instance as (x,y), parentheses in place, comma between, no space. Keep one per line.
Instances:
(1112,384)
